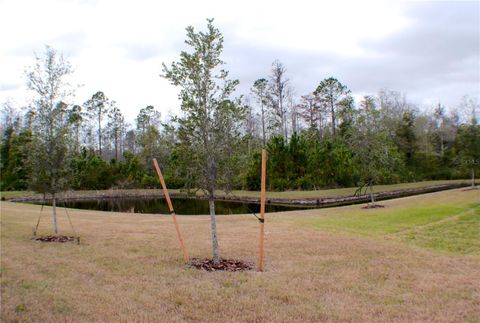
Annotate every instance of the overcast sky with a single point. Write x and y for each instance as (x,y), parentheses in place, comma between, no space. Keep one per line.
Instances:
(428,50)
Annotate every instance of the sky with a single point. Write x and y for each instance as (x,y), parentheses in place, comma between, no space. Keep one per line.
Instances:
(428,50)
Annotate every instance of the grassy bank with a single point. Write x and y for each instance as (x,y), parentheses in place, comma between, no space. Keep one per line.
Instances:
(406,262)
(339,192)
(443,221)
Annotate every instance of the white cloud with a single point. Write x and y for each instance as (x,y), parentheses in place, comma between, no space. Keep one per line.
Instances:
(118,46)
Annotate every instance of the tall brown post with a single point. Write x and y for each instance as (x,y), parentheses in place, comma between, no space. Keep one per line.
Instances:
(172,212)
(262,209)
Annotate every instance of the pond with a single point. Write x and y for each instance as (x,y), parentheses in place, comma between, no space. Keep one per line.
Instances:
(181,206)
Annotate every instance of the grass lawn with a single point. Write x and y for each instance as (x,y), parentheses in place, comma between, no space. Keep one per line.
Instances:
(442,221)
(418,259)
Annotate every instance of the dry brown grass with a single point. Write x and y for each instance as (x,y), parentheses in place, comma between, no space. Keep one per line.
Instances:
(129,268)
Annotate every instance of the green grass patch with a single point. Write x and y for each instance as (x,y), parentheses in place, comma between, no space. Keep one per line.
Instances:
(446,221)
(380,223)
(14,194)
(459,234)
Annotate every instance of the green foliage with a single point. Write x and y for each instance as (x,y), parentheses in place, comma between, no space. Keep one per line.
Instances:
(89,171)
(254,172)
(467,145)
(303,163)
(48,149)
(209,126)
(14,170)
(331,93)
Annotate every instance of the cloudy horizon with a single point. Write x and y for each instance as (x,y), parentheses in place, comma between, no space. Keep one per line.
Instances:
(428,50)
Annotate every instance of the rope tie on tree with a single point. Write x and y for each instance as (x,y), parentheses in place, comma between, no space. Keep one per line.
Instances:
(252,212)
(39,217)
(70,221)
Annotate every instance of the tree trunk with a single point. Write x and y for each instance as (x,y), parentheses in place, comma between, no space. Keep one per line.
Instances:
(54,213)
(213,227)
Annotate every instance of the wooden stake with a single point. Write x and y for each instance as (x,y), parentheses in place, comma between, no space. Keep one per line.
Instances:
(262,209)
(172,212)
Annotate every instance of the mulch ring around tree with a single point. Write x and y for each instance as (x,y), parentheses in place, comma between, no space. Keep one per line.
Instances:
(224,265)
(373,206)
(60,239)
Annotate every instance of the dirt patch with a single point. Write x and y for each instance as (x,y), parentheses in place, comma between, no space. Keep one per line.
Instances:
(60,239)
(224,264)
(373,206)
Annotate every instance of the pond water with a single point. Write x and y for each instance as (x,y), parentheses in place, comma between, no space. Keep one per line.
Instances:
(181,206)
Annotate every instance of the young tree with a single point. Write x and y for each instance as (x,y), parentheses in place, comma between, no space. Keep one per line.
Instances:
(209,126)
(331,92)
(47,80)
(375,154)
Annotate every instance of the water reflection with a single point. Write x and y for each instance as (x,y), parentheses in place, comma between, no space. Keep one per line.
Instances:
(181,206)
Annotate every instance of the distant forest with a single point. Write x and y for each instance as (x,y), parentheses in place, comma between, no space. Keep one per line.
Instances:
(322,139)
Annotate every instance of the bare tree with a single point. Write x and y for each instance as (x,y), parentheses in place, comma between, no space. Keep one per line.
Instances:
(250,126)
(278,88)
(292,110)
(260,92)
(309,110)
(10,116)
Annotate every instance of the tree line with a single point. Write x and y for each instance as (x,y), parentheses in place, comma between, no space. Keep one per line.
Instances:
(321,139)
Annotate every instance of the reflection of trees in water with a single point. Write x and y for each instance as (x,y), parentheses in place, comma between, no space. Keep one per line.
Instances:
(181,206)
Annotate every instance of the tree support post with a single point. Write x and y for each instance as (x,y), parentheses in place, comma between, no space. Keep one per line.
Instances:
(172,212)
(262,209)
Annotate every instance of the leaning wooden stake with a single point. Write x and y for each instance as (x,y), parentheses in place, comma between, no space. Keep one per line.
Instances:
(262,209)
(172,212)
